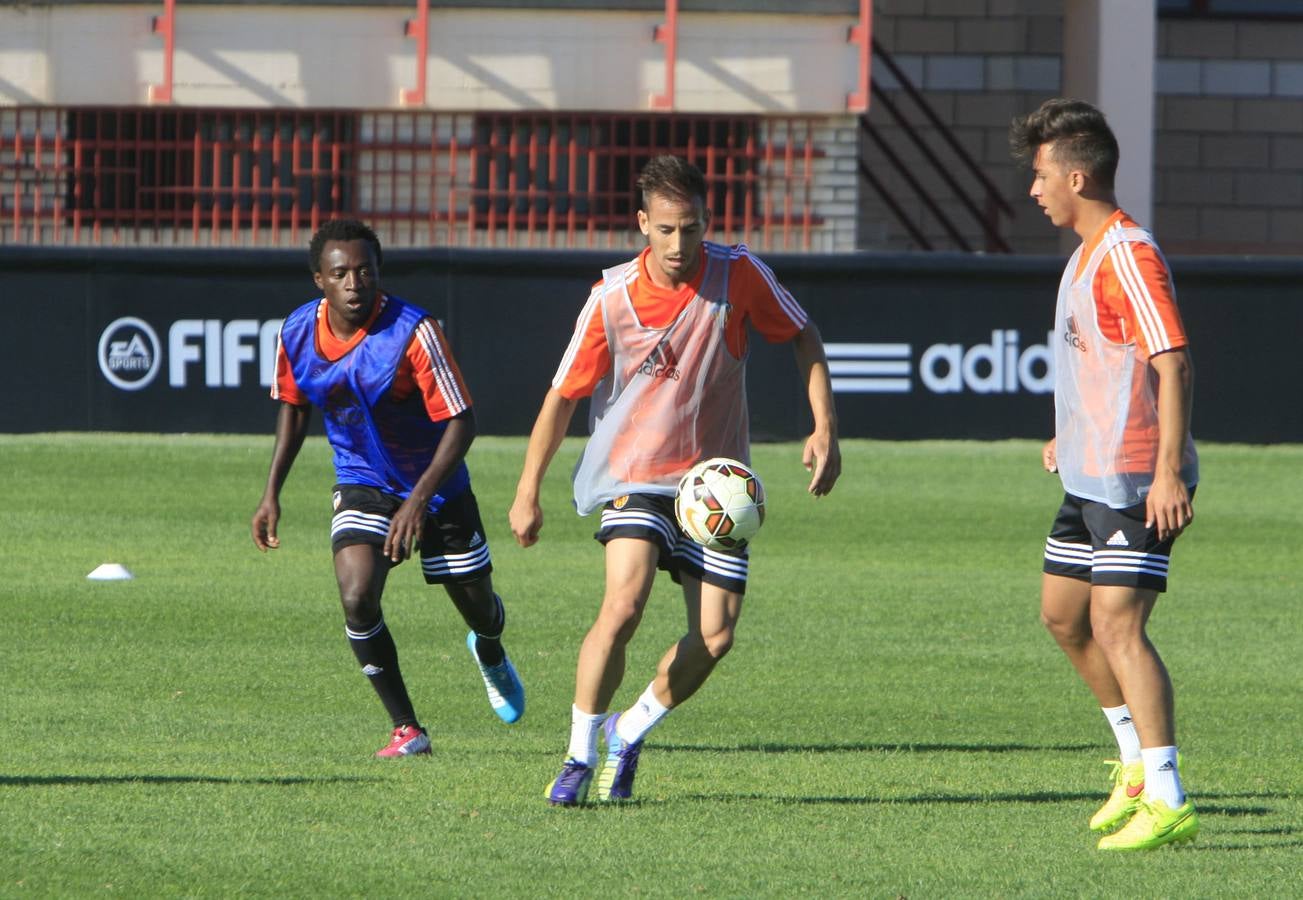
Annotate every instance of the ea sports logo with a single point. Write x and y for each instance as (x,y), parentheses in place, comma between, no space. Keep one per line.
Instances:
(129,353)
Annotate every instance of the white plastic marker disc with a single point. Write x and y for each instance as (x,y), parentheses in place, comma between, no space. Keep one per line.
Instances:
(111,572)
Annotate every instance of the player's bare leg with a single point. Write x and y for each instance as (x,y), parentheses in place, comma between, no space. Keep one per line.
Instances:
(361,574)
(630,570)
(712,618)
(1118,616)
(1066,614)
(1165,814)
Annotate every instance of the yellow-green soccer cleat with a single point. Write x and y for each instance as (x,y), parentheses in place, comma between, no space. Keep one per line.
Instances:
(1122,803)
(1154,825)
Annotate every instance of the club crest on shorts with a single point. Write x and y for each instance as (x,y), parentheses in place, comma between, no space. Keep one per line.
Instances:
(620,502)
(336,500)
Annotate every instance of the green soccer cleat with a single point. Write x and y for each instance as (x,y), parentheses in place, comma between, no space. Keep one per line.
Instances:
(1154,825)
(1122,803)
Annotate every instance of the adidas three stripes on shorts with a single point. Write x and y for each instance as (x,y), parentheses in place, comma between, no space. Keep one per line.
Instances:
(1093,542)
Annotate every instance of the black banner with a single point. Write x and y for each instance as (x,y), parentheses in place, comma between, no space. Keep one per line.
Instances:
(920,345)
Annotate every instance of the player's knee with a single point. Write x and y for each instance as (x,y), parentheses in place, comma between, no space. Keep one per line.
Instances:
(1114,636)
(719,643)
(621,612)
(1066,632)
(617,624)
(361,609)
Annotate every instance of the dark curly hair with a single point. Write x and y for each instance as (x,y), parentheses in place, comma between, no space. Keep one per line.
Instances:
(673,177)
(1078,132)
(341,230)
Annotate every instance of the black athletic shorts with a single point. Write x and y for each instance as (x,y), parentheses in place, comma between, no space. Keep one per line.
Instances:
(651,517)
(453,546)
(1092,542)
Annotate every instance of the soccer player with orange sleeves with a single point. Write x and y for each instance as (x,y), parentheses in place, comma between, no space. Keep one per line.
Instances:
(660,346)
(1122,447)
(399,419)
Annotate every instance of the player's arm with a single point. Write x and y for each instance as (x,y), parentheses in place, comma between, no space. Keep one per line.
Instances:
(1141,287)
(822,454)
(405,527)
(430,368)
(526,516)
(775,314)
(1167,506)
(291,428)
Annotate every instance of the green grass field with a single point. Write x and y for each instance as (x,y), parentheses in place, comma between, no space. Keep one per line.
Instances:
(893,720)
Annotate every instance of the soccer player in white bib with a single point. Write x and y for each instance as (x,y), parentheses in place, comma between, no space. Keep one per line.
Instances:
(1122,447)
(660,346)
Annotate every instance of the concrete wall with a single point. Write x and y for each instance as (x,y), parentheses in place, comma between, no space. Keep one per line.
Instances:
(1228,141)
(268,56)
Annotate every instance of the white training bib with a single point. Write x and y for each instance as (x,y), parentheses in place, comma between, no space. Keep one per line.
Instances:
(1105,396)
(674,395)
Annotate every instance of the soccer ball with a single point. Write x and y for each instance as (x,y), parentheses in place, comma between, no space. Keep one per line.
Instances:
(720,504)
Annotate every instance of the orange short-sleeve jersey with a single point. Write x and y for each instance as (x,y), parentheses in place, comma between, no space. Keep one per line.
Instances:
(754,293)
(1134,298)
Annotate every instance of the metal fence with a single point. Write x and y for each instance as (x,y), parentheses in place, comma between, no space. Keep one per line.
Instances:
(184,176)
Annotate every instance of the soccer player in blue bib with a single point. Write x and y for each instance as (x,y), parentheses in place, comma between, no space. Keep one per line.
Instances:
(399,420)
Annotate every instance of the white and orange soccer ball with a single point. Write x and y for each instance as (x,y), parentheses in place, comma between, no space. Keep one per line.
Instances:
(720,504)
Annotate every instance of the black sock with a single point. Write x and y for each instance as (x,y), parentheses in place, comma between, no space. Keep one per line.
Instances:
(488,634)
(375,651)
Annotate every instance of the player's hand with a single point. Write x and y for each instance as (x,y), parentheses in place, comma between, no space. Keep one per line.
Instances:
(1050,456)
(823,458)
(1167,505)
(405,531)
(526,518)
(263,526)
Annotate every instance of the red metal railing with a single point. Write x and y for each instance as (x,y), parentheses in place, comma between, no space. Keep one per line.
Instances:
(268,178)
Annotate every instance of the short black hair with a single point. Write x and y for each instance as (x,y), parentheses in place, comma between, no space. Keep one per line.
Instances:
(341,230)
(672,177)
(1077,131)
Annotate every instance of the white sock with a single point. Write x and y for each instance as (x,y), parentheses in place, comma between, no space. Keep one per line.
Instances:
(583,735)
(1162,780)
(1119,718)
(641,718)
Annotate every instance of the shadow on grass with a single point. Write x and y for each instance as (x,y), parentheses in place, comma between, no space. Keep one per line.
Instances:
(874,747)
(1027,797)
(1261,837)
(1201,844)
(972,799)
(284,780)
(1205,808)
(1284,829)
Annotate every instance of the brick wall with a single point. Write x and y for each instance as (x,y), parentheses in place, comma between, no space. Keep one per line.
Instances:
(1228,156)
(978,63)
